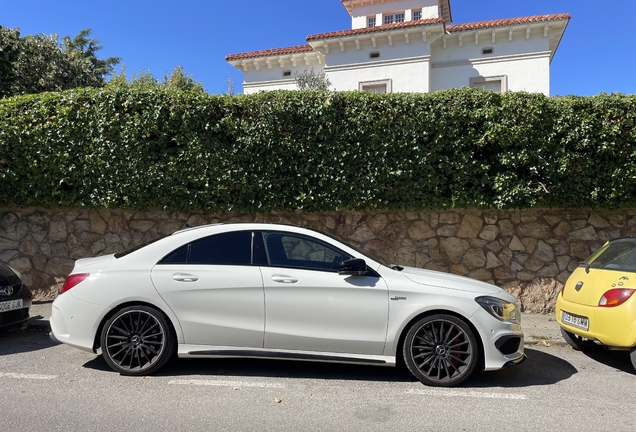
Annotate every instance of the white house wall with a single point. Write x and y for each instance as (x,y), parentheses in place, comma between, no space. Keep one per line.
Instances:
(430,9)
(524,63)
(407,66)
(406,75)
(249,88)
(530,74)
(399,50)
(273,79)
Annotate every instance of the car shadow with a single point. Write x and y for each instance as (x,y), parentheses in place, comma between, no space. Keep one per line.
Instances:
(615,359)
(539,369)
(16,340)
(244,367)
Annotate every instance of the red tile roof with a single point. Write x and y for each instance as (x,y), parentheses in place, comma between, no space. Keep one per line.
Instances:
(505,22)
(271,52)
(449,28)
(385,27)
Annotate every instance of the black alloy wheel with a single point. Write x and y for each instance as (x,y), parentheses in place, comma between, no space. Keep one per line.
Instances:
(579,343)
(137,341)
(440,350)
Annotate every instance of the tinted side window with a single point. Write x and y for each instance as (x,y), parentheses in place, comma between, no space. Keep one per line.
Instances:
(179,256)
(293,250)
(229,249)
(233,248)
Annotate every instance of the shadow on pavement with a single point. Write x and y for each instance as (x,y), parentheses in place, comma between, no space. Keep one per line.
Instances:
(15,340)
(615,359)
(540,369)
(272,369)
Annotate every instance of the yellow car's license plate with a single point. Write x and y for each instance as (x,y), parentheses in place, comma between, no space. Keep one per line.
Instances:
(575,320)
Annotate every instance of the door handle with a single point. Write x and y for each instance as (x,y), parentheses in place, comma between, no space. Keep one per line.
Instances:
(284,279)
(182,277)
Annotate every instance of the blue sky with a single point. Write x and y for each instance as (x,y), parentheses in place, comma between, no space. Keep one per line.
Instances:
(596,55)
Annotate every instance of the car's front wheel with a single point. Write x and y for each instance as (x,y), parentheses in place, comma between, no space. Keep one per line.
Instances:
(440,350)
(137,340)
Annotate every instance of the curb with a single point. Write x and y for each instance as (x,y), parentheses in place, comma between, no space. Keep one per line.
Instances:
(37,323)
(532,341)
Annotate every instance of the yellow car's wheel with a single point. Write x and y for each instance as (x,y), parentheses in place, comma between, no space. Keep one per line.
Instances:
(632,356)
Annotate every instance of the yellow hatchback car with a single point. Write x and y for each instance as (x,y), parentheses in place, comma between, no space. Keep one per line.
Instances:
(597,305)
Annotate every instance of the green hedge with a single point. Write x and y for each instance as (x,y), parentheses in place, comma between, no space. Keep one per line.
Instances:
(158,148)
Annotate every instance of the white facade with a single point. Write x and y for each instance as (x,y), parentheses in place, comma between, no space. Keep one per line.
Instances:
(411,55)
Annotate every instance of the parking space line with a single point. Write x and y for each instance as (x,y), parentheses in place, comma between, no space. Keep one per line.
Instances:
(27,376)
(465,393)
(225,383)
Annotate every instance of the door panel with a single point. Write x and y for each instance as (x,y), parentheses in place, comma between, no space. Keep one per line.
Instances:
(220,305)
(313,310)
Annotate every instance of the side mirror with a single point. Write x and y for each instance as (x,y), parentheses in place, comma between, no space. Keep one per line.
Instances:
(353,267)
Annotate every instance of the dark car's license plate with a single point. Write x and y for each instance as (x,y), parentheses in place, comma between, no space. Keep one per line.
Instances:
(10,305)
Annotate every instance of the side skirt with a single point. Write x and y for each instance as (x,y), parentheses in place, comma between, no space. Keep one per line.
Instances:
(185,351)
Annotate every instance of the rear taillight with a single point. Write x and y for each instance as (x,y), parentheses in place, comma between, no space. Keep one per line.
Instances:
(615,297)
(73,280)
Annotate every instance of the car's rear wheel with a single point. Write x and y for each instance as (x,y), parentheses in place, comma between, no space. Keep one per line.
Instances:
(137,340)
(632,356)
(440,350)
(579,343)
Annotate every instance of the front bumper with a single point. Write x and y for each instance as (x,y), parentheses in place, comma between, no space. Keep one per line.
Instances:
(16,316)
(502,341)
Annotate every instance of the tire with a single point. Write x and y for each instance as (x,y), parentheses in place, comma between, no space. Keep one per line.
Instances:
(632,356)
(137,340)
(579,343)
(440,350)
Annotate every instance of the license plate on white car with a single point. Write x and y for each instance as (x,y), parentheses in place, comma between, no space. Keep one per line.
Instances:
(575,320)
(10,305)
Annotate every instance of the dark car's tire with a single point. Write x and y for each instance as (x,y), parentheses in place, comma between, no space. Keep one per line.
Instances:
(632,356)
(137,340)
(579,343)
(440,350)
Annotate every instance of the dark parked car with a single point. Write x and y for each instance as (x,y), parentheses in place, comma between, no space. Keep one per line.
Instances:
(15,298)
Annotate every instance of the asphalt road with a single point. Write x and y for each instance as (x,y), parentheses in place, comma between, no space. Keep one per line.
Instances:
(49,387)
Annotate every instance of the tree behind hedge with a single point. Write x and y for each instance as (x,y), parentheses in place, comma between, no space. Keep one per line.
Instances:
(40,63)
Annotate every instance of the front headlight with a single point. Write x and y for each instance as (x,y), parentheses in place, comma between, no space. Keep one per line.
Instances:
(500,309)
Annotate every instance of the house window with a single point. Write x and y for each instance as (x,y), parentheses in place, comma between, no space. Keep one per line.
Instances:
(394,18)
(497,84)
(417,14)
(371,21)
(374,55)
(286,73)
(380,86)
(487,51)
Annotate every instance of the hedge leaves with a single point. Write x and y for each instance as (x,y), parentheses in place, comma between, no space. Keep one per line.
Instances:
(164,148)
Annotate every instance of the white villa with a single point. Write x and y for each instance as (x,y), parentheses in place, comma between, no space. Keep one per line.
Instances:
(411,46)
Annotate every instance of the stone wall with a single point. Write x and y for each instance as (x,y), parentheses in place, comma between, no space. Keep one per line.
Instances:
(530,253)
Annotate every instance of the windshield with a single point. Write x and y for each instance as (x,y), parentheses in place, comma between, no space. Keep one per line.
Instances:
(615,255)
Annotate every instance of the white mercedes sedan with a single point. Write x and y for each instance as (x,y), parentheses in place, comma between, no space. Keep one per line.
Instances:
(282,292)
